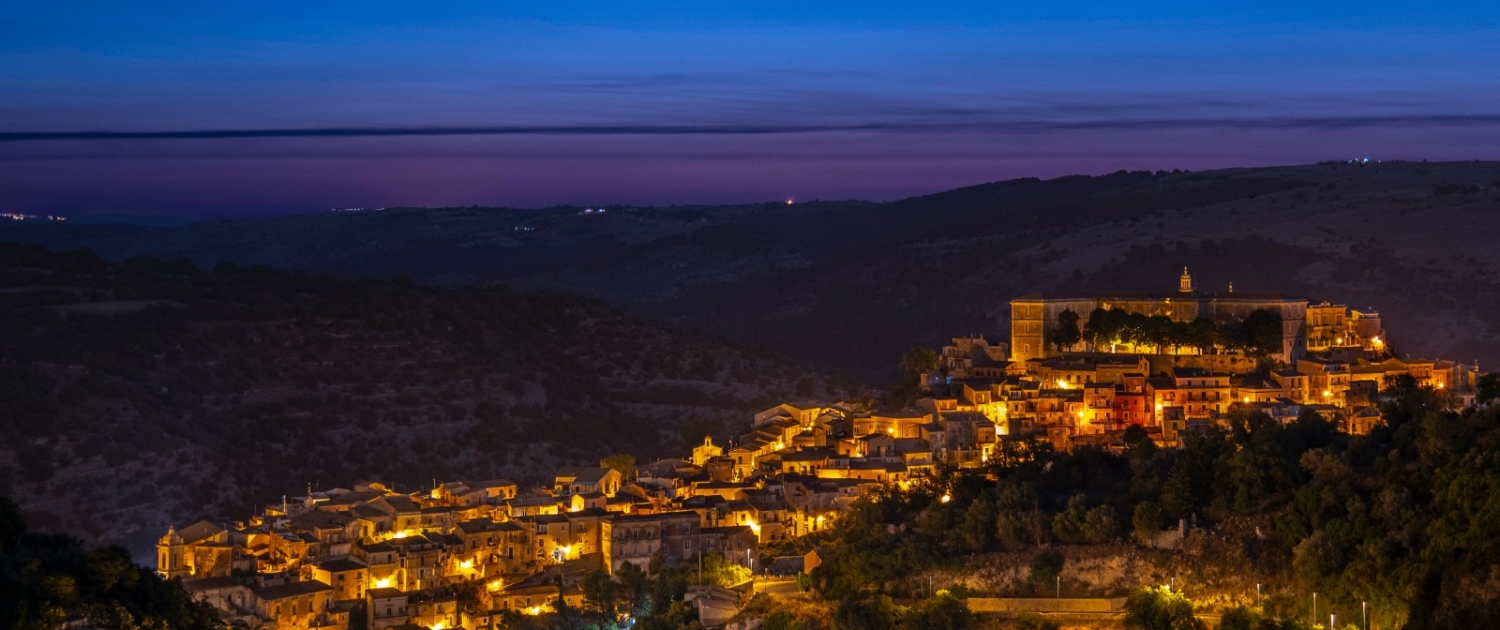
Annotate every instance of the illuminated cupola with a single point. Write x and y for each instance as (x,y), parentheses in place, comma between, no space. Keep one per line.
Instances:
(171,555)
(1185,283)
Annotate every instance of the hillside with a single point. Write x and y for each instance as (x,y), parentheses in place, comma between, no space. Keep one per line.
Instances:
(842,283)
(136,394)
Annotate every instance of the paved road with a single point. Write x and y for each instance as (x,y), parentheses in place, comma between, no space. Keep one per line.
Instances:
(779,589)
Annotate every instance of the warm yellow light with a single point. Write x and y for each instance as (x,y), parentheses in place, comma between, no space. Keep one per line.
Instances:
(383,583)
(1327,393)
(493,586)
(1062,384)
(890,430)
(1439,385)
(946,497)
(789,202)
(754,527)
(1158,406)
(1247,400)
(439,626)
(534,610)
(467,564)
(400,535)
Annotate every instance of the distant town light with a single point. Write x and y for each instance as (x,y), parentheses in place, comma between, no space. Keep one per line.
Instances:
(946,497)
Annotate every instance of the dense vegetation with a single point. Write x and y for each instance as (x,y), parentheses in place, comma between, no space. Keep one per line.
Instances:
(1403,518)
(136,393)
(1260,333)
(49,579)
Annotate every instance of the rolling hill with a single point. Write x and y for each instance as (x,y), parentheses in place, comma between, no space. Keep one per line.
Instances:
(142,393)
(846,284)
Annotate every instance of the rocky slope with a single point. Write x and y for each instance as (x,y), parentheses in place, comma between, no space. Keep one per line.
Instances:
(136,394)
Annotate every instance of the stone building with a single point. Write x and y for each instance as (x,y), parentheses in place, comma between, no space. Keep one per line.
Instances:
(1033,317)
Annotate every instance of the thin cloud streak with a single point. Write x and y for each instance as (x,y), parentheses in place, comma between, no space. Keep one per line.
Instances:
(1332,122)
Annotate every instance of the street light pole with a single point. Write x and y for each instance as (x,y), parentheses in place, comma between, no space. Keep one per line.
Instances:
(1315,607)
(1364,614)
(1059,587)
(1257,594)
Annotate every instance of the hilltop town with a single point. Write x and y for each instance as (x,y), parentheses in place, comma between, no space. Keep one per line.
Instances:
(1078,372)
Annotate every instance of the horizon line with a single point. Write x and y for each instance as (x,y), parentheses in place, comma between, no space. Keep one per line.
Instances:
(755,129)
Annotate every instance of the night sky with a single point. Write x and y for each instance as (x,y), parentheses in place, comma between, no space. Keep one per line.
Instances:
(371,104)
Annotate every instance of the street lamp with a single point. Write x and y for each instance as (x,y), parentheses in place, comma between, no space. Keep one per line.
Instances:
(1364,611)
(1257,594)
(1315,607)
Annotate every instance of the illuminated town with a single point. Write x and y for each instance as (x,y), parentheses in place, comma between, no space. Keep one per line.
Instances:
(1077,372)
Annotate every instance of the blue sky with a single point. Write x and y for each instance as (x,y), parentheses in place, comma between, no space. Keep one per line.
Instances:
(874,100)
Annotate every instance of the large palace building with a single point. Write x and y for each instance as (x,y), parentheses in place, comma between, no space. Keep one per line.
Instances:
(1034,316)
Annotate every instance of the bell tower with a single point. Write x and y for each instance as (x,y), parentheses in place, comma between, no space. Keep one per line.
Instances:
(1185,283)
(171,552)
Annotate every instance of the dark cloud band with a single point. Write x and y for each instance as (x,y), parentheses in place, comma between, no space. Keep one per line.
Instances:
(730,130)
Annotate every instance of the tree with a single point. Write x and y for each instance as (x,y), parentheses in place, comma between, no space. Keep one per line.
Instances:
(600,591)
(1262,331)
(861,610)
(1147,519)
(1488,388)
(916,362)
(620,462)
(1066,334)
(1078,524)
(1160,609)
(1316,556)
(1097,332)
(941,612)
(634,588)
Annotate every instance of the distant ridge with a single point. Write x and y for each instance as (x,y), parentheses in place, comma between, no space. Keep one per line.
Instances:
(840,283)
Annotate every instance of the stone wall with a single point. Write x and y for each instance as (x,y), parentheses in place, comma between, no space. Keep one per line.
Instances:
(1044,605)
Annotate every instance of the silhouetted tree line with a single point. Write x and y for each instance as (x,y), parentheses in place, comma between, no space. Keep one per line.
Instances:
(49,579)
(1259,333)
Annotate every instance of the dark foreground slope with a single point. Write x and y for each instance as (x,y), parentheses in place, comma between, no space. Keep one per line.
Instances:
(139,393)
(843,283)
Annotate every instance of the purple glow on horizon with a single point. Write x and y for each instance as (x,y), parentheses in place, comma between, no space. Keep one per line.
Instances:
(963,93)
